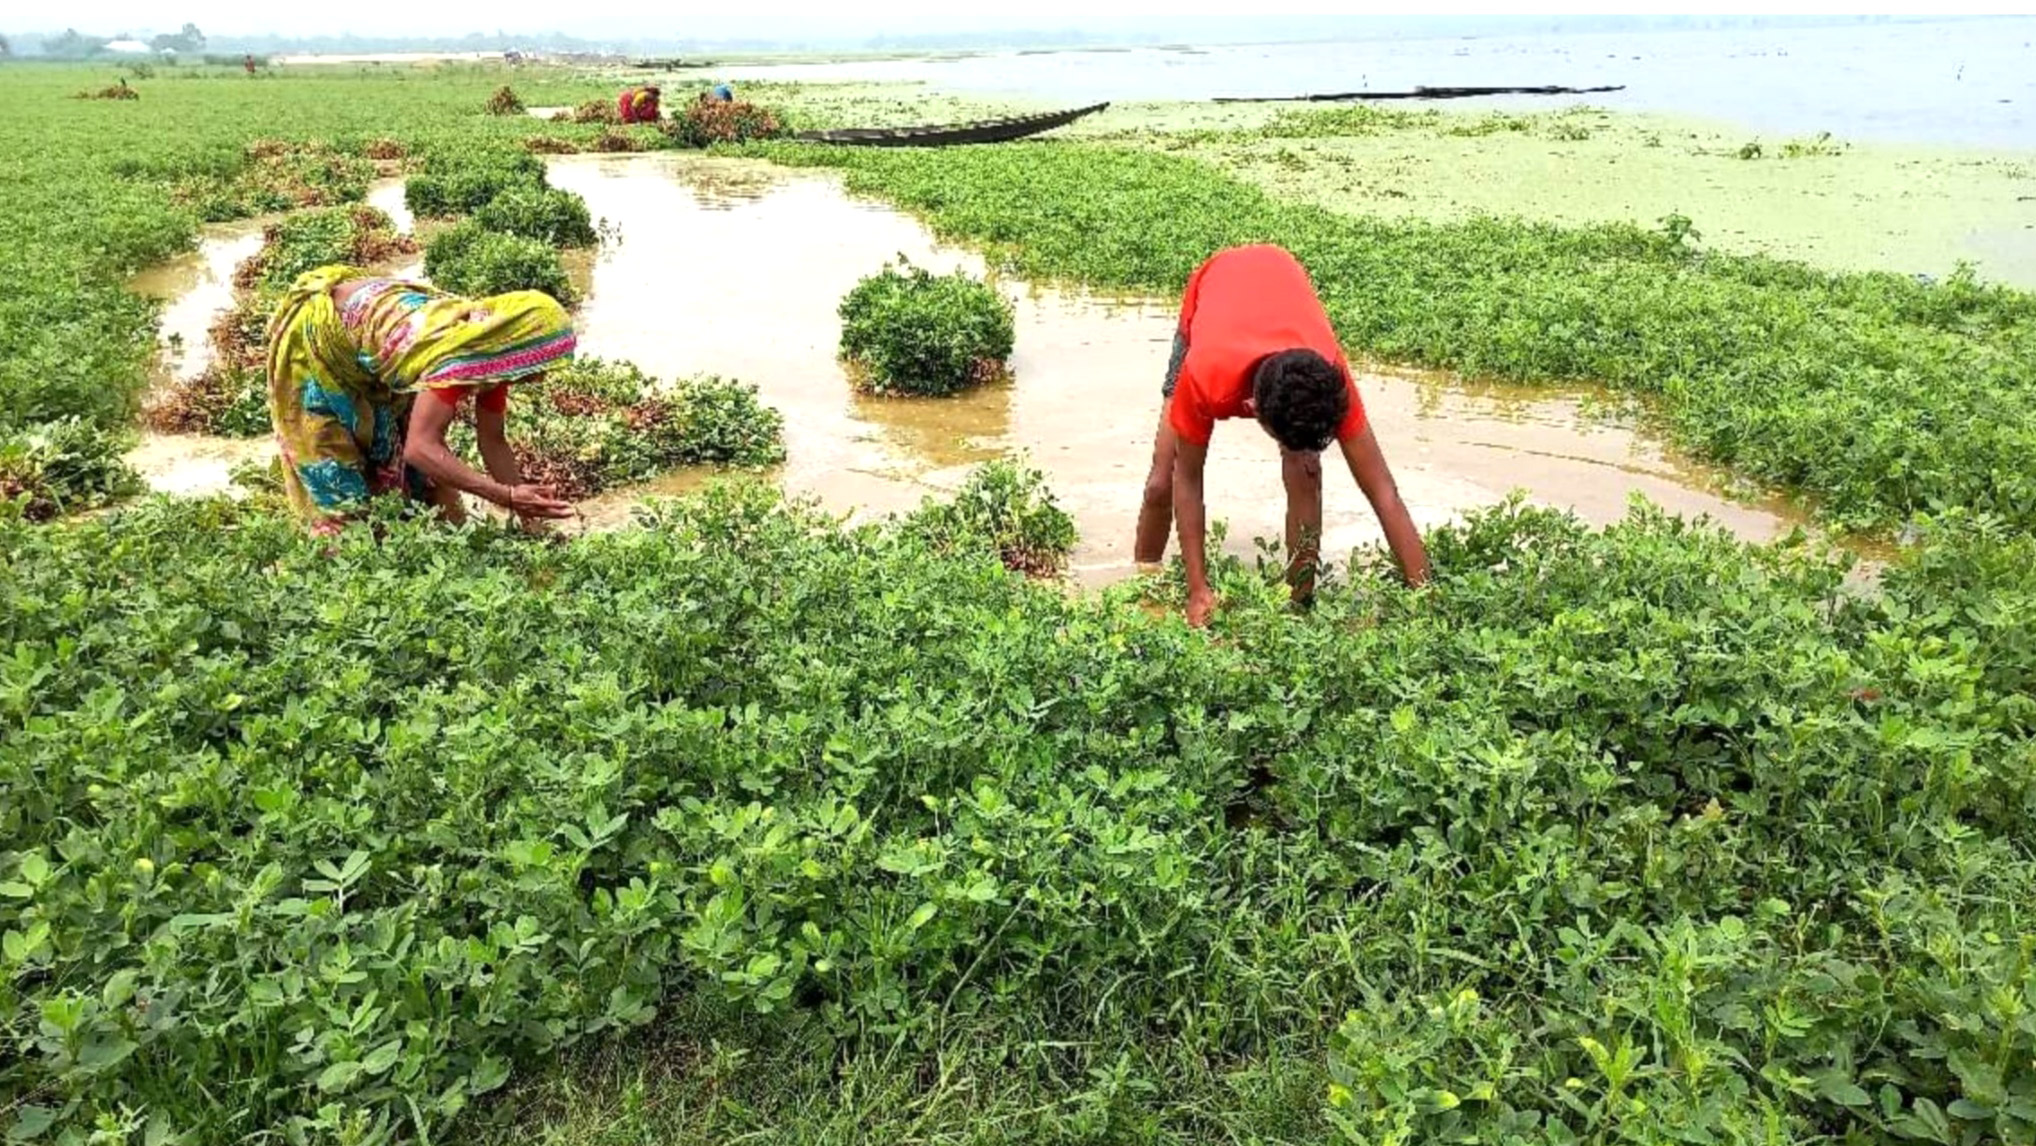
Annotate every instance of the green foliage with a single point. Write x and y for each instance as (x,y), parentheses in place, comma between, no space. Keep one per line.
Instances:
(594,425)
(721,422)
(265,176)
(304,241)
(324,839)
(1006,511)
(471,260)
(505,101)
(73,45)
(460,182)
(230,396)
(186,40)
(559,218)
(701,124)
(91,191)
(1881,397)
(69,348)
(910,331)
(1729,847)
(61,467)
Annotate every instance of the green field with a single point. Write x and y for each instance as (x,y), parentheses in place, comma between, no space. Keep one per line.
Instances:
(744,825)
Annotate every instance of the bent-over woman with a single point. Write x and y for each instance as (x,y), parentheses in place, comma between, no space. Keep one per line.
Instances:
(639,105)
(366,375)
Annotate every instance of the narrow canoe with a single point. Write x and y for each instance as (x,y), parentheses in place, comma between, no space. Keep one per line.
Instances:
(1425,93)
(950,134)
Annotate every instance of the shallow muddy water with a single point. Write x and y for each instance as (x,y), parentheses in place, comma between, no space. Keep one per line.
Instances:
(388,195)
(192,464)
(736,268)
(195,289)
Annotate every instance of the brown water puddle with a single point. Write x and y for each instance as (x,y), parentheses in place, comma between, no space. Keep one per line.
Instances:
(387,194)
(736,268)
(196,288)
(191,465)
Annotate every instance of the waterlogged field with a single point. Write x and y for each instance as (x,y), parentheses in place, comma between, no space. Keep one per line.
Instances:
(745,825)
(1881,397)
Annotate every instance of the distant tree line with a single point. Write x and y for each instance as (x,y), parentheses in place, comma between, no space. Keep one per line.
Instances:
(72,44)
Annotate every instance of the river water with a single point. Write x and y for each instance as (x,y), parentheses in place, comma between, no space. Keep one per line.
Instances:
(735,268)
(1966,81)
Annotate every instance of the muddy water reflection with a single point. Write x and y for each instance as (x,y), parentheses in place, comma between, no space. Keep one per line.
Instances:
(195,289)
(388,196)
(193,465)
(736,268)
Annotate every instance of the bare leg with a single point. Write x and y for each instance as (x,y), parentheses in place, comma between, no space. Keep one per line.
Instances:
(1302,475)
(1156,510)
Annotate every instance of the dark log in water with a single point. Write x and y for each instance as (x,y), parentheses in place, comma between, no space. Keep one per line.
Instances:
(950,134)
(1423,93)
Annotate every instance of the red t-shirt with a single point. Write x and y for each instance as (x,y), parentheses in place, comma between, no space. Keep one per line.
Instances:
(495,399)
(1241,305)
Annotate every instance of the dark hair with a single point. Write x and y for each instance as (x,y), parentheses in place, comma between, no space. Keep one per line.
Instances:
(1301,398)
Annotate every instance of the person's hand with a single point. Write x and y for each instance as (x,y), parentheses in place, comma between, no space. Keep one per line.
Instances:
(540,502)
(1201,605)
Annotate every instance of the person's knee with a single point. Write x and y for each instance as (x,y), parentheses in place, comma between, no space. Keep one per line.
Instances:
(1159,490)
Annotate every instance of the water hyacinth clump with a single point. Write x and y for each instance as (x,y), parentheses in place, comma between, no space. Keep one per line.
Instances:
(906,330)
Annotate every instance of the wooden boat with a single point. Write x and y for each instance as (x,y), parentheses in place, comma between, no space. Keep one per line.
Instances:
(1426,93)
(950,134)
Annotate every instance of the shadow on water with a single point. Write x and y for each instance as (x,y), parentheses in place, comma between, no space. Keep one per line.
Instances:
(736,268)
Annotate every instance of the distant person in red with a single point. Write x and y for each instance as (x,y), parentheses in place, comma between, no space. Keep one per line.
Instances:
(639,105)
(1254,342)
(247,62)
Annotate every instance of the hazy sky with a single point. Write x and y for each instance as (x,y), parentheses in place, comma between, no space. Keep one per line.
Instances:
(759,19)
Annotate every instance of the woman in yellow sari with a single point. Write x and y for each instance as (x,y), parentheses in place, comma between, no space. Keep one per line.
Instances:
(349,355)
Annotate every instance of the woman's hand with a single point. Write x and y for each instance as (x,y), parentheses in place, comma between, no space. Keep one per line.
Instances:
(1201,606)
(537,503)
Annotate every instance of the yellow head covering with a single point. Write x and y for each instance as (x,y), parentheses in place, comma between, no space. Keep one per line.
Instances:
(412,336)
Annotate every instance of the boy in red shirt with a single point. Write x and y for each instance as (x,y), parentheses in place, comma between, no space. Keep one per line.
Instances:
(1254,341)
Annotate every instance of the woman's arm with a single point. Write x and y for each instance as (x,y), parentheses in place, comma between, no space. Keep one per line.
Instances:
(491,430)
(424,447)
(1368,465)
